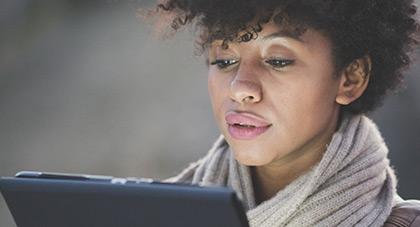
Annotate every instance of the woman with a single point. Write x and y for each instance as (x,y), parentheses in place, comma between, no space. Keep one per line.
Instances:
(290,82)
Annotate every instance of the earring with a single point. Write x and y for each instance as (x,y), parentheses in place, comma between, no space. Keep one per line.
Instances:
(356,67)
(362,74)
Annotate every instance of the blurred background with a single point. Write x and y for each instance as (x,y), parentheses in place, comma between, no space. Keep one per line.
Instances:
(86,87)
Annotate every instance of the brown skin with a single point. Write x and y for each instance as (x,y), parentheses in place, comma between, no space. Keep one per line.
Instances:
(290,83)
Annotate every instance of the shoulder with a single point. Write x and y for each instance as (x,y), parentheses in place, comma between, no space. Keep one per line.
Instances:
(404,214)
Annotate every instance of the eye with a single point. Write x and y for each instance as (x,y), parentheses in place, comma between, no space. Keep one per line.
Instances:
(222,63)
(277,63)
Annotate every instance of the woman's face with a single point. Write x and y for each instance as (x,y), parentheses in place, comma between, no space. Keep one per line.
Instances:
(274,97)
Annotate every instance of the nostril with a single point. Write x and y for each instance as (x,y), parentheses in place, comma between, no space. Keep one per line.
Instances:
(245,91)
(249,99)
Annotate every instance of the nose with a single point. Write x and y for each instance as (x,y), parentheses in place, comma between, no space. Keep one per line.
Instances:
(246,86)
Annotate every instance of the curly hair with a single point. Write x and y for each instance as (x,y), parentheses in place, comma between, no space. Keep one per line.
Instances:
(384,30)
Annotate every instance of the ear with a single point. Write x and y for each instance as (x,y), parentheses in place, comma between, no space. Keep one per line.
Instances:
(354,80)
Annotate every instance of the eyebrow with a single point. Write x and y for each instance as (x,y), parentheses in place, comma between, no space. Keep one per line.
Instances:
(282,34)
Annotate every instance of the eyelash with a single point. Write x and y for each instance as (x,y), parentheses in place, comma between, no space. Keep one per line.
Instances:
(222,63)
(275,63)
(278,64)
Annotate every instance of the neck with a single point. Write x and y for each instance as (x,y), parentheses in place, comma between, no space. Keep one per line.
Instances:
(269,179)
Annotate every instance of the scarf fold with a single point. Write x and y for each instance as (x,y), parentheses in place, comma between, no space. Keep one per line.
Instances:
(353,184)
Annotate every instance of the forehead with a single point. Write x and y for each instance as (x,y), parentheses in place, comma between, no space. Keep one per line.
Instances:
(288,36)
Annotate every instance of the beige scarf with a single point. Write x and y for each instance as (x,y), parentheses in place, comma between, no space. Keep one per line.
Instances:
(352,185)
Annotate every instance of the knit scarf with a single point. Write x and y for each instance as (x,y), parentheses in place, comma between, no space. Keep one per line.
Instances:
(353,184)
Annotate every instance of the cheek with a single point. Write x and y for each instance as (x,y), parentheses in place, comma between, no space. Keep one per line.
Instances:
(218,85)
(218,97)
(212,87)
(319,104)
(217,91)
(305,98)
(320,85)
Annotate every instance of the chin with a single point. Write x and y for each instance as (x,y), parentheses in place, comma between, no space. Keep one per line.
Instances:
(250,158)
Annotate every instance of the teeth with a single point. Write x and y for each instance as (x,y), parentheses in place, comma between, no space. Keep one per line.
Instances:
(244,125)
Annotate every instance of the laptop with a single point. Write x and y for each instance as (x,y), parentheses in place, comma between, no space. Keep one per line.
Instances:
(55,199)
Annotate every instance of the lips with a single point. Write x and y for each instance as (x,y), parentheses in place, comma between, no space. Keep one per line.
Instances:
(245,126)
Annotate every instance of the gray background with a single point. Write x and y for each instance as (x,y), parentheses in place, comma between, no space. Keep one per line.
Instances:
(85,87)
